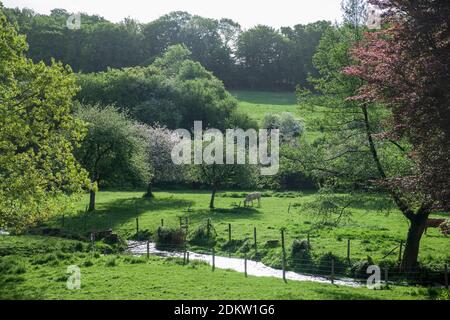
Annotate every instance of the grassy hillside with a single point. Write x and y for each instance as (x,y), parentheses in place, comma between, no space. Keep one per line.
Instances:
(39,272)
(258,103)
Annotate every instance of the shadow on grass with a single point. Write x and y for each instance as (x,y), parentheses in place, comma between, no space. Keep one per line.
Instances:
(115,214)
(224,214)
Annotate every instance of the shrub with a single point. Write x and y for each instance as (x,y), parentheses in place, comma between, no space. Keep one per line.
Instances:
(359,268)
(300,255)
(204,235)
(324,264)
(142,235)
(272,243)
(246,246)
(232,245)
(169,238)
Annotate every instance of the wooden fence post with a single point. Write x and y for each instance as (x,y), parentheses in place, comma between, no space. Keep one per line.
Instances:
(348,251)
(187,256)
(332,270)
(229,232)
(162,222)
(208,226)
(148,249)
(213,259)
(137,228)
(256,242)
(386,277)
(446,276)
(283,262)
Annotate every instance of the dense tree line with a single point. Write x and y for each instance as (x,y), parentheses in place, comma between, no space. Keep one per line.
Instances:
(259,58)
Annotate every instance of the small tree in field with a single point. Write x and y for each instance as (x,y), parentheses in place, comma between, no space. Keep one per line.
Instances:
(223,175)
(114,149)
(406,68)
(160,143)
(218,175)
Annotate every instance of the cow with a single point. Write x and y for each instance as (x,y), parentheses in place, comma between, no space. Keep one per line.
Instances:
(251,197)
(433,223)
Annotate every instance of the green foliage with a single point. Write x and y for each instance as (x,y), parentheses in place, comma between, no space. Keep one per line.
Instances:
(114,151)
(38,133)
(260,57)
(174,91)
(203,235)
(169,238)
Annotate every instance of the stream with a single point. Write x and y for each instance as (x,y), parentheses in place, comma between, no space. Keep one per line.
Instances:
(254,268)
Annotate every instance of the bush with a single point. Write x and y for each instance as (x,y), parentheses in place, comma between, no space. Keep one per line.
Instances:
(359,268)
(142,235)
(204,235)
(272,243)
(246,246)
(324,264)
(300,254)
(232,245)
(169,238)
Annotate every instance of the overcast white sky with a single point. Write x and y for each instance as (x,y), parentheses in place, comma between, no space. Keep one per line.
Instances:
(248,13)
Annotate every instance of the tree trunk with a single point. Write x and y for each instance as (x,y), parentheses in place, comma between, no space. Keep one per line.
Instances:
(92,200)
(411,253)
(149,193)
(213,195)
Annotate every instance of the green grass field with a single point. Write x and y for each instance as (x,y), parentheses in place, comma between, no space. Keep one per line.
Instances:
(258,103)
(372,233)
(38,271)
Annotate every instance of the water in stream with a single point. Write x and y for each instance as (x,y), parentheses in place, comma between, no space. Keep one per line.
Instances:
(254,268)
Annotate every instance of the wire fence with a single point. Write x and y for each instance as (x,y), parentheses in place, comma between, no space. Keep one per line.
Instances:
(332,266)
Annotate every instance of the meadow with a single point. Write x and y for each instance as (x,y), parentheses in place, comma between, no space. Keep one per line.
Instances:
(35,268)
(372,232)
(257,103)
